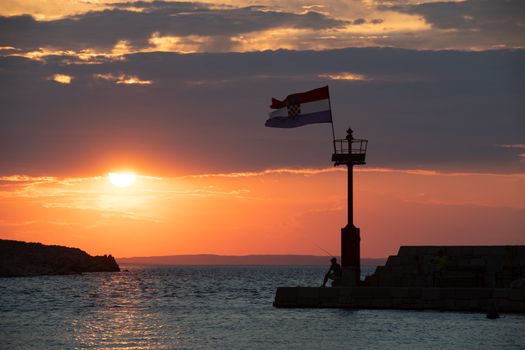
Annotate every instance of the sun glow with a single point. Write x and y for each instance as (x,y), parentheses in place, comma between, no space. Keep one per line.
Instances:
(123,179)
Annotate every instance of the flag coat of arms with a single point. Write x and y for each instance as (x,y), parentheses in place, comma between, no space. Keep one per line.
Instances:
(300,109)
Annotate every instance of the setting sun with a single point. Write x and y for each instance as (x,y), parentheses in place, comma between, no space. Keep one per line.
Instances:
(122,179)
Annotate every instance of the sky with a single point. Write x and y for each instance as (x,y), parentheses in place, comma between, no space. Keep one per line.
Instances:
(178,93)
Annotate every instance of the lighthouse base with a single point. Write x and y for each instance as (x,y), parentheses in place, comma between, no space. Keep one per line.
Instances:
(349,277)
(351,255)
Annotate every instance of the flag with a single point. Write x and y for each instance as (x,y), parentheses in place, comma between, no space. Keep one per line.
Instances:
(300,109)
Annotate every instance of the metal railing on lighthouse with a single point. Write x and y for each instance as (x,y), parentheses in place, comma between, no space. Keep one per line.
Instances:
(349,150)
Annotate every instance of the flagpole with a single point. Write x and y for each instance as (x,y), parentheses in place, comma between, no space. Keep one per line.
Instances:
(331,118)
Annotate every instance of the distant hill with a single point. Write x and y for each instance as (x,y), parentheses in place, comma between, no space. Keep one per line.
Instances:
(19,259)
(210,259)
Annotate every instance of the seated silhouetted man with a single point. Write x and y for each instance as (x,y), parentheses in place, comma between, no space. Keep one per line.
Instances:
(334,273)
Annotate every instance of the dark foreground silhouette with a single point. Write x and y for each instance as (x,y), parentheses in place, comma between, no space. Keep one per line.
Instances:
(18,259)
(335,273)
(488,279)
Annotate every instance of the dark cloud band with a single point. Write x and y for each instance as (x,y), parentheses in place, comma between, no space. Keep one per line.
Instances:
(206,112)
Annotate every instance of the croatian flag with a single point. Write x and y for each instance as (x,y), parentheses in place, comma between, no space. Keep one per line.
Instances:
(300,109)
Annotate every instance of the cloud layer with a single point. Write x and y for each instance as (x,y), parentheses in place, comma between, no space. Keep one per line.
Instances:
(483,23)
(202,112)
(138,26)
(103,30)
(105,83)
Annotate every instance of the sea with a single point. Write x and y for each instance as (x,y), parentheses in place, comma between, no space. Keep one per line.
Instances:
(221,307)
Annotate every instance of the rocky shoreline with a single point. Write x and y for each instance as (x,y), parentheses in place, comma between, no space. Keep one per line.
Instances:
(22,259)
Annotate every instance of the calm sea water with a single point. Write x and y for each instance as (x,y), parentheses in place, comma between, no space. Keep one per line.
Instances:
(220,308)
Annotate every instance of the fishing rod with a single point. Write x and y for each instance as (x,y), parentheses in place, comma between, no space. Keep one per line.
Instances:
(324,250)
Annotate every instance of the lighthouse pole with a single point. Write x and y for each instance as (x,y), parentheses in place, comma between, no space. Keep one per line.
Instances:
(350,235)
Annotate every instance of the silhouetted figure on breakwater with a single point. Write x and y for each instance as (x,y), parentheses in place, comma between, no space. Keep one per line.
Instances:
(334,273)
(439,266)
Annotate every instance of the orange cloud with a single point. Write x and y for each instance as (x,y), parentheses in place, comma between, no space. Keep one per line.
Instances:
(516,145)
(180,44)
(344,76)
(86,56)
(123,79)
(50,9)
(61,78)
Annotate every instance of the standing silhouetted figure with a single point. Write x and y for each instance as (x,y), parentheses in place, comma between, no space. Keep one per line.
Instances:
(439,268)
(334,273)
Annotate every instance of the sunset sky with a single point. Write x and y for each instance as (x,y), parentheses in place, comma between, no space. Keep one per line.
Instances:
(177,93)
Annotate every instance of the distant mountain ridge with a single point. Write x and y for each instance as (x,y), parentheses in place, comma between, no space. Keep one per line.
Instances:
(22,259)
(212,259)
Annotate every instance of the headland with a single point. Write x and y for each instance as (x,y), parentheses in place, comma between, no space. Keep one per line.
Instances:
(22,259)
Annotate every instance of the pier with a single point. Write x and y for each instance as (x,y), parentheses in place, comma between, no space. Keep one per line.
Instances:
(476,277)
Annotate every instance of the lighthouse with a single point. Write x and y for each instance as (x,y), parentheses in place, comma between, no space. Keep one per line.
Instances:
(350,151)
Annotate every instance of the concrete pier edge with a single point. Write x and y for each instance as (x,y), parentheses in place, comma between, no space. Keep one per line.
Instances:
(506,300)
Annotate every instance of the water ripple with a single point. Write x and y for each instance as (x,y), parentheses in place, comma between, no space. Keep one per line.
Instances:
(220,307)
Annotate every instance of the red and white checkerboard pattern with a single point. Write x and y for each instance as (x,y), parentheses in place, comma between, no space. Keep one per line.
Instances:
(294,110)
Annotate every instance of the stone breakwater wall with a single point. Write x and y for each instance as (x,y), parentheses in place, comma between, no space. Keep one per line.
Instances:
(409,298)
(453,278)
(464,266)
